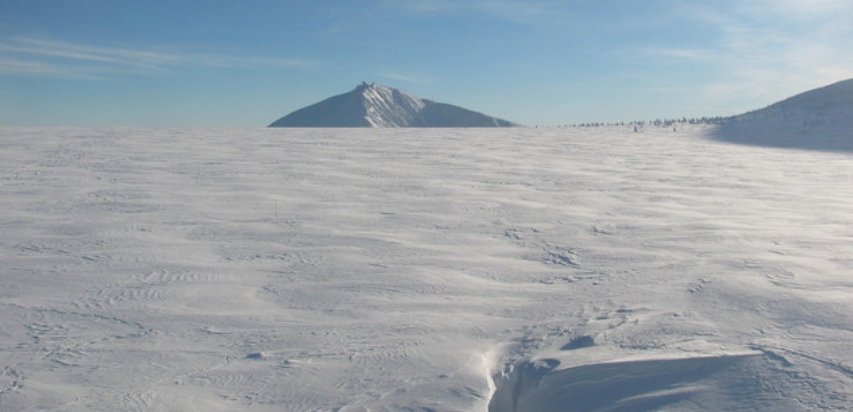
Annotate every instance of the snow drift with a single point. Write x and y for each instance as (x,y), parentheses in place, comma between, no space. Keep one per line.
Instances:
(421,270)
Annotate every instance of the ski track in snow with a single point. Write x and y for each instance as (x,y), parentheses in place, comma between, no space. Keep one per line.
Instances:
(421,269)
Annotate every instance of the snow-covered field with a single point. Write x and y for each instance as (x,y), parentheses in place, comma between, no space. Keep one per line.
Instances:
(422,269)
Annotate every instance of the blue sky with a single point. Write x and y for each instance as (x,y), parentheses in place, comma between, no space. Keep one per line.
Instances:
(211,63)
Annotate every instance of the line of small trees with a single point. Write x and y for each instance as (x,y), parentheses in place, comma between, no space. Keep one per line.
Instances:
(659,122)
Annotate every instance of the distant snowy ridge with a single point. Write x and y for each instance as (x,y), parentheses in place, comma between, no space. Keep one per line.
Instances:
(820,119)
(371,105)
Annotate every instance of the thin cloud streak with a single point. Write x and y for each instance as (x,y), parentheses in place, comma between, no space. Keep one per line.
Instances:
(113,55)
(798,9)
(695,55)
(516,11)
(38,68)
(40,57)
(408,78)
(757,56)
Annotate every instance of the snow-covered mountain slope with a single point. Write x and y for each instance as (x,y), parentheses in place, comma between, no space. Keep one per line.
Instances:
(509,269)
(820,119)
(370,105)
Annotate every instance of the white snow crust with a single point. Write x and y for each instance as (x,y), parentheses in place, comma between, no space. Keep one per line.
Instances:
(496,270)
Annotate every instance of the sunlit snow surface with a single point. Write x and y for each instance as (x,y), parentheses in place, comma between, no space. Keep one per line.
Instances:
(430,269)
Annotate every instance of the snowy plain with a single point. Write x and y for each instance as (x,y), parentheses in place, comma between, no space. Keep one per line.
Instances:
(496,270)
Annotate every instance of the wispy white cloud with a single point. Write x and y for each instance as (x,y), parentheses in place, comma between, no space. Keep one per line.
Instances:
(79,52)
(13,66)
(520,11)
(797,9)
(33,67)
(696,55)
(405,77)
(765,50)
(215,60)
(42,57)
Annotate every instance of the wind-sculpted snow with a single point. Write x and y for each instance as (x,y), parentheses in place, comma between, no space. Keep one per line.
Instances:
(421,269)
(728,381)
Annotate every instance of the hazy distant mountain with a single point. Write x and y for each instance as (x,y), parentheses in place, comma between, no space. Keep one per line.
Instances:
(370,105)
(820,119)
